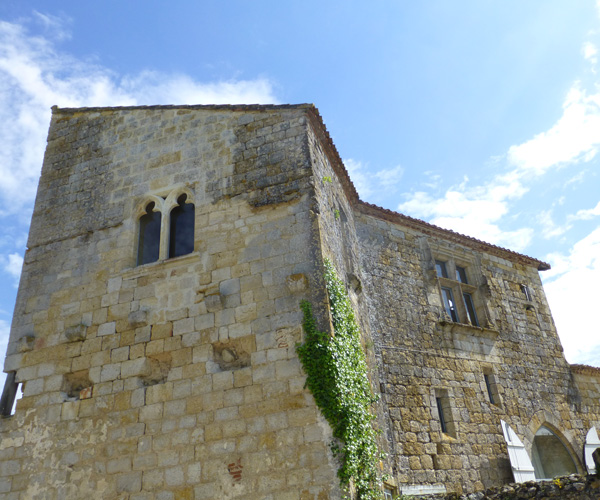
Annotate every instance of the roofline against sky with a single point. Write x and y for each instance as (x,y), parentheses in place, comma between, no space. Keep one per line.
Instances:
(334,157)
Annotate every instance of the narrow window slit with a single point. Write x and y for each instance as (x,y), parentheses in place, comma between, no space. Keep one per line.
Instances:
(11,393)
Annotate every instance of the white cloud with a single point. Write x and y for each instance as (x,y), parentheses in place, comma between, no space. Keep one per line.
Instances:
(549,228)
(481,211)
(360,177)
(13,264)
(572,290)
(370,185)
(474,210)
(590,52)
(389,178)
(34,75)
(574,138)
(587,214)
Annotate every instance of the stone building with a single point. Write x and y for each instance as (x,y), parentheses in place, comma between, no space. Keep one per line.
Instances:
(158,312)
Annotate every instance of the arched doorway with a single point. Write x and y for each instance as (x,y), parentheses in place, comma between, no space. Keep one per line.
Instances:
(550,456)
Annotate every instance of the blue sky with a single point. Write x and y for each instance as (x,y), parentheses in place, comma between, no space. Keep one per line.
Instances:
(480,116)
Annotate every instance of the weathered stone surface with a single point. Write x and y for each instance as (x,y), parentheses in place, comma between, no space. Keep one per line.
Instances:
(181,379)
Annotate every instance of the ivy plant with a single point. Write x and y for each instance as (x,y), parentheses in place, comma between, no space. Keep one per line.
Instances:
(336,371)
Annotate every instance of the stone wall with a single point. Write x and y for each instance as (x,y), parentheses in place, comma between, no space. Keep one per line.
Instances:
(178,378)
(423,355)
(573,487)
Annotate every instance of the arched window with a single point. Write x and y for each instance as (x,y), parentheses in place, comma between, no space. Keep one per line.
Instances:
(550,456)
(181,237)
(149,239)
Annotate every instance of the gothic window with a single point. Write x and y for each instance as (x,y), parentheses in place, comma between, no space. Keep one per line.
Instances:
(550,456)
(457,293)
(149,239)
(166,227)
(181,237)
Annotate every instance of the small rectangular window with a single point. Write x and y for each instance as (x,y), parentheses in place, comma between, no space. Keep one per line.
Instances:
(449,304)
(444,410)
(388,493)
(527,292)
(489,388)
(9,395)
(440,269)
(470,308)
(461,274)
(440,407)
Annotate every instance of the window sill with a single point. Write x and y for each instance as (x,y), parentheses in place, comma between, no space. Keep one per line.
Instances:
(469,339)
(467,328)
(142,269)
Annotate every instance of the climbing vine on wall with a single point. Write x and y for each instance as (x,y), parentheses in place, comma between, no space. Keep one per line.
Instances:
(336,372)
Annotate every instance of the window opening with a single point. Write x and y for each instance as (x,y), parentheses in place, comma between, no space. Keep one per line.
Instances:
(442,401)
(527,292)
(10,394)
(470,308)
(388,493)
(449,304)
(149,239)
(181,238)
(440,269)
(440,407)
(488,385)
(460,297)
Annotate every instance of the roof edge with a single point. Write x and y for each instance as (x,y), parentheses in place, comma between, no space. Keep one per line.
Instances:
(585,370)
(224,107)
(398,218)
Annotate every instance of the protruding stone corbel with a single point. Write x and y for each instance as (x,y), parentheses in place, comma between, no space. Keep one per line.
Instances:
(26,343)
(76,332)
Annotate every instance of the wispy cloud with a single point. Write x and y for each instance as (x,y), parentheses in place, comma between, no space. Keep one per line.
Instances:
(587,214)
(371,186)
(12,265)
(574,138)
(34,75)
(549,228)
(590,53)
(481,210)
(474,210)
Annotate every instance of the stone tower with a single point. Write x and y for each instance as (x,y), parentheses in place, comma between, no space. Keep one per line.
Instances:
(158,312)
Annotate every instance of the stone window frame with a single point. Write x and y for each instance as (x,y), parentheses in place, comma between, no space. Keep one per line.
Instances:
(164,202)
(443,412)
(460,281)
(10,394)
(389,491)
(490,386)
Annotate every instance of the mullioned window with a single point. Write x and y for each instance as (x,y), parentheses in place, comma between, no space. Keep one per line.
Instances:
(165,226)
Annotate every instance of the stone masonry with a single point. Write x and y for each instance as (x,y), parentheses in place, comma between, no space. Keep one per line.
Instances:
(178,378)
